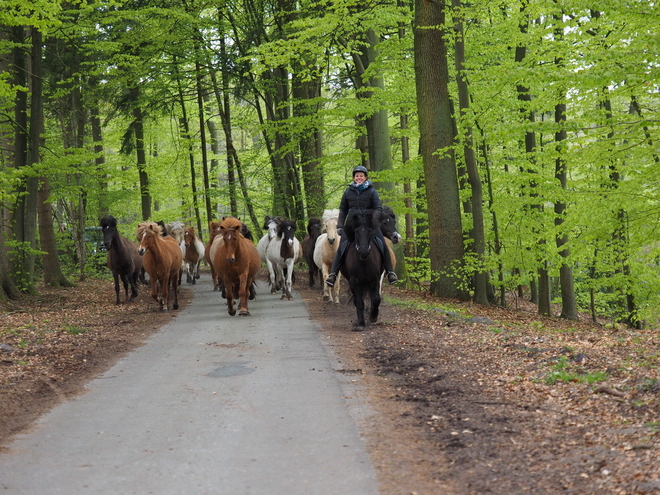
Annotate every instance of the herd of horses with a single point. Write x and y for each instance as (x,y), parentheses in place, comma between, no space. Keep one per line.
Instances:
(165,251)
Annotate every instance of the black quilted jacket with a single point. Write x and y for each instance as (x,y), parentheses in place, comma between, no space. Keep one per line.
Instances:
(355,200)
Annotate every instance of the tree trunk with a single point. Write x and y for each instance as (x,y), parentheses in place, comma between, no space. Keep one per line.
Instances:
(432,79)
(202,134)
(376,122)
(51,264)
(311,149)
(138,127)
(25,214)
(525,98)
(477,233)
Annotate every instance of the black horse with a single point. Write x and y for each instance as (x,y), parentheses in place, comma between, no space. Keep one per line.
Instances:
(363,263)
(123,258)
(308,245)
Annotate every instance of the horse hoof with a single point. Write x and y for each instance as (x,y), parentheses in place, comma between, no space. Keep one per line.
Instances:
(176,306)
(231,312)
(358,328)
(326,298)
(194,281)
(273,292)
(244,313)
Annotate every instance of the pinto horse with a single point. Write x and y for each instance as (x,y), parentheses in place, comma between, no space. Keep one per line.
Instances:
(363,263)
(308,245)
(270,224)
(123,258)
(236,262)
(284,252)
(163,262)
(193,251)
(324,252)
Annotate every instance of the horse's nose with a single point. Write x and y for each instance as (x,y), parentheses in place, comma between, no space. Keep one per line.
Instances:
(141,251)
(331,241)
(231,260)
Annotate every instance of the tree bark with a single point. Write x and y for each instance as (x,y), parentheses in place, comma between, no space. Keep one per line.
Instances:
(433,106)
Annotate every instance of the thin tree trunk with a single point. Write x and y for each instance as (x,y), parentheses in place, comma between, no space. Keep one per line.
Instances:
(525,98)
(25,214)
(477,233)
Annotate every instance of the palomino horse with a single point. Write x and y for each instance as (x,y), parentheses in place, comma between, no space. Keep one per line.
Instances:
(284,252)
(324,252)
(193,251)
(270,224)
(123,258)
(163,262)
(237,263)
(308,245)
(363,263)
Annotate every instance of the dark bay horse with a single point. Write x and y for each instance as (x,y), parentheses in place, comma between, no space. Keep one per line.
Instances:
(192,254)
(163,262)
(123,258)
(363,263)
(236,262)
(308,244)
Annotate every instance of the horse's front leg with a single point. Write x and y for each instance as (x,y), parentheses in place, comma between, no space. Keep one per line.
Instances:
(154,289)
(165,290)
(288,284)
(176,280)
(273,277)
(116,277)
(375,304)
(243,292)
(229,295)
(358,300)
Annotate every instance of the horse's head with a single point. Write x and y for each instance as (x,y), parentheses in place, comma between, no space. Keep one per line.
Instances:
(314,227)
(147,234)
(360,230)
(109,229)
(387,222)
(330,219)
(189,236)
(230,228)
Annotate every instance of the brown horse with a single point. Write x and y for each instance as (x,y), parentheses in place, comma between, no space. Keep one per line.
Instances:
(236,262)
(123,258)
(163,262)
(193,253)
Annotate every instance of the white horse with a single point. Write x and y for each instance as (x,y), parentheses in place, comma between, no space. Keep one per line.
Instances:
(324,252)
(270,224)
(284,251)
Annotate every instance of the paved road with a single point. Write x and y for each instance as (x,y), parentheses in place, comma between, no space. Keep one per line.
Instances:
(212,404)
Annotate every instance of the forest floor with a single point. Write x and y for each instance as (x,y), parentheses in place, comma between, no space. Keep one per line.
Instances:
(463,399)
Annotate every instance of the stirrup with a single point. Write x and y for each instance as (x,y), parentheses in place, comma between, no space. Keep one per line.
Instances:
(392,278)
(332,278)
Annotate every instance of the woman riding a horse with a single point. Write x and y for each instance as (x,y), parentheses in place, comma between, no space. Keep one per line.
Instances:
(359,196)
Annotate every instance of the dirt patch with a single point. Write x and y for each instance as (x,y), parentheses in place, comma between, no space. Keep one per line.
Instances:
(465,400)
(479,400)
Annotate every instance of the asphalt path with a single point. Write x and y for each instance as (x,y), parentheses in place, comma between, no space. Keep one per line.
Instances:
(211,404)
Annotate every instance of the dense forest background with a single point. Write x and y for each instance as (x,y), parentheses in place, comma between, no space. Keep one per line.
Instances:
(516,140)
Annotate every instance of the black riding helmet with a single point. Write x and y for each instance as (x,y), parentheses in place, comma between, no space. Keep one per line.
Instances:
(362,169)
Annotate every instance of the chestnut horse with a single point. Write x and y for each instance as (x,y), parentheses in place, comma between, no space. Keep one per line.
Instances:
(123,258)
(163,262)
(324,252)
(308,245)
(236,263)
(193,251)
